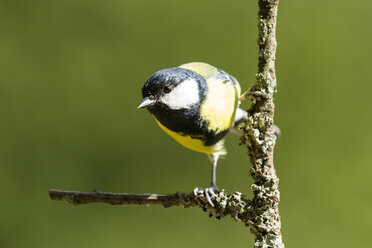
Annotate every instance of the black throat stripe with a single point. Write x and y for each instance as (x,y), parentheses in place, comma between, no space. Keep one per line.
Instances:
(187,122)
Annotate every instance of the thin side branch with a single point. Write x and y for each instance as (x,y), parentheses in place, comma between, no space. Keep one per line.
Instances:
(79,198)
(258,134)
(234,205)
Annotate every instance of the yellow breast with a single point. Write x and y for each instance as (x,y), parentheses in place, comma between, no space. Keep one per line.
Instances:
(194,144)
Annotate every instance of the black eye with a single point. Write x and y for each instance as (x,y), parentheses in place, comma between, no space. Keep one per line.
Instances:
(167,89)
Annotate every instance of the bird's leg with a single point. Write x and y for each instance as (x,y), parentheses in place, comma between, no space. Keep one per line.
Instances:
(213,188)
(214,159)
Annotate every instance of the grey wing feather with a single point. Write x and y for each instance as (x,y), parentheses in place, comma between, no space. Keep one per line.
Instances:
(240,116)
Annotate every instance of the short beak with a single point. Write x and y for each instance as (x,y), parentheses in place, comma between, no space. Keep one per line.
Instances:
(146,102)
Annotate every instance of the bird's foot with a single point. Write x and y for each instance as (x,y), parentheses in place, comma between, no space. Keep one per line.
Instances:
(248,94)
(252,92)
(208,192)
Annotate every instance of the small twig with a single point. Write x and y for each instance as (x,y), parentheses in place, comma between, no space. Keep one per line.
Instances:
(79,198)
(234,205)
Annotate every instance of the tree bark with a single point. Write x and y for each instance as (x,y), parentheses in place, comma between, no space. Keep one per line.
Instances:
(259,134)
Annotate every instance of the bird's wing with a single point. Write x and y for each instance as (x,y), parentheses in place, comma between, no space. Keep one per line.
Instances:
(240,116)
(203,69)
(218,108)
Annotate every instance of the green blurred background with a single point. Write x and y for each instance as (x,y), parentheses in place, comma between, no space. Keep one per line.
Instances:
(70,81)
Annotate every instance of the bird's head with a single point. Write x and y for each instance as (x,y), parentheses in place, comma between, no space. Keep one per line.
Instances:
(173,89)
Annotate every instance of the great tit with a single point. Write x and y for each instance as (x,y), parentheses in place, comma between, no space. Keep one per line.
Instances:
(197,105)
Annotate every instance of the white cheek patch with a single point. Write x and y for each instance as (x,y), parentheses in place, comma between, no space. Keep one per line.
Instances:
(183,95)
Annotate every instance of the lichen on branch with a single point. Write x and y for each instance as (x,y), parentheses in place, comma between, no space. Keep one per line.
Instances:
(234,205)
(259,135)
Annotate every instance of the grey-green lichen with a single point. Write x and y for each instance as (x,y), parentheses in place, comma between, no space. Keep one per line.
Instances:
(265,83)
(260,213)
(255,131)
(258,134)
(234,205)
(264,28)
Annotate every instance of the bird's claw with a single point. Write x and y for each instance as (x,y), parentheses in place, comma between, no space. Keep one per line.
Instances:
(248,94)
(208,192)
(196,190)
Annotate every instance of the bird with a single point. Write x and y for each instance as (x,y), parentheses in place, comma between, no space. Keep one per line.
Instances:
(196,104)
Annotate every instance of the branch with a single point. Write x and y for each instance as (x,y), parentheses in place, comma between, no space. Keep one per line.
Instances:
(258,134)
(234,205)
(262,212)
